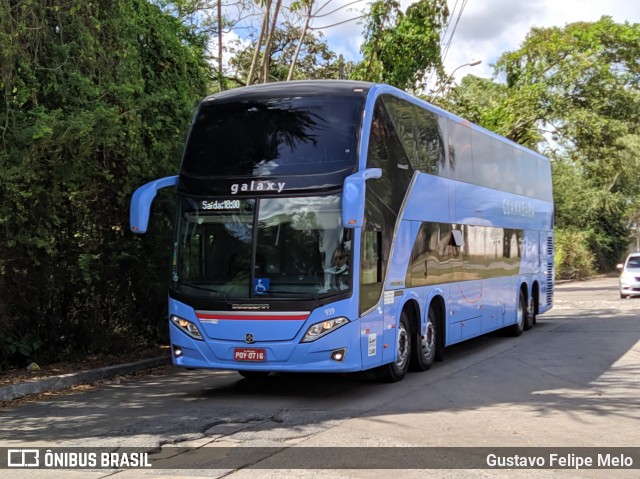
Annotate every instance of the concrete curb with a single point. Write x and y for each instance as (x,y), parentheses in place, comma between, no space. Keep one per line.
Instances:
(54,383)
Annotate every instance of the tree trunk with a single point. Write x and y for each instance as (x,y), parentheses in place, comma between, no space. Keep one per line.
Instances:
(220,45)
(256,52)
(264,65)
(299,45)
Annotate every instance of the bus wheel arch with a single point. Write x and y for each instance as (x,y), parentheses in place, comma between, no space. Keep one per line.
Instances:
(396,370)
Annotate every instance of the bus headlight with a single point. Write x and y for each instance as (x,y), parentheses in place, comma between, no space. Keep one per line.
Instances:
(187,326)
(318,330)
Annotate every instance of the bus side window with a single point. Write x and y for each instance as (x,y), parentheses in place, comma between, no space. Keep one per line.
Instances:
(371,260)
(370,269)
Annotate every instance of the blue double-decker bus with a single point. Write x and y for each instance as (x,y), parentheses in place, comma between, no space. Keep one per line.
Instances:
(339,226)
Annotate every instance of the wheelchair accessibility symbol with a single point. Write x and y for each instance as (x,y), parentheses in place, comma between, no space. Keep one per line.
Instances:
(261,285)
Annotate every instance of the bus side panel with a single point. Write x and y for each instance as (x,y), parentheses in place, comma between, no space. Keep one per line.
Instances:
(427,198)
(465,310)
(477,205)
(401,254)
(392,311)
(497,294)
(372,338)
(530,263)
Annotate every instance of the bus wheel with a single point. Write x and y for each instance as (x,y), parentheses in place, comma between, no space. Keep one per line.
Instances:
(423,351)
(395,371)
(521,313)
(530,316)
(254,374)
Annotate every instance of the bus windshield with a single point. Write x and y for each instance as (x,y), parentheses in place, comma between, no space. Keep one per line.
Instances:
(273,136)
(296,248)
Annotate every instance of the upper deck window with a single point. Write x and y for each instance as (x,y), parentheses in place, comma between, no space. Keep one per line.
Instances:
(274,136)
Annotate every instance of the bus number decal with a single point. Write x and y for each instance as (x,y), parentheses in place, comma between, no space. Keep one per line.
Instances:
(330,311)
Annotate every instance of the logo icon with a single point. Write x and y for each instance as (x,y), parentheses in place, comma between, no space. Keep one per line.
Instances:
(261,285)
(23,457)
(249,339)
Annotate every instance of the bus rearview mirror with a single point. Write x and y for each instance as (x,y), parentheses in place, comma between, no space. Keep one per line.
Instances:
(141,202)
(353,196)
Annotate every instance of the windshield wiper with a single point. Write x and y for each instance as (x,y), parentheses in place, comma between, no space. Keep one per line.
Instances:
(315,296)
(208,290)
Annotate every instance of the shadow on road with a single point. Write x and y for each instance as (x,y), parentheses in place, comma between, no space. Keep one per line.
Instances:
(569,363)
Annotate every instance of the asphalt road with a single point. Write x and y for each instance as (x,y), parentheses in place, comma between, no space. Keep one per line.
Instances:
(571,381)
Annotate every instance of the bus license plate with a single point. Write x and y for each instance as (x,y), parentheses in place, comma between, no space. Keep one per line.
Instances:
(249,354)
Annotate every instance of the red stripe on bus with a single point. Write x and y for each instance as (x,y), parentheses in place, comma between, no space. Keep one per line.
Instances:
(252,318)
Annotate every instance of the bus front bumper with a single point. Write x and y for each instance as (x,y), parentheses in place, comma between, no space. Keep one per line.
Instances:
(338,351)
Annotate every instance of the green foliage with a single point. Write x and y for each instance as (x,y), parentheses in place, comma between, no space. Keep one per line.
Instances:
(512,113)
(573,257)
(316,60)
(582,205)
(400,48)
(96,100)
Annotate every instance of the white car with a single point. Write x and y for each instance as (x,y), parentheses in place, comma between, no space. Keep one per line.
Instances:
(630,276)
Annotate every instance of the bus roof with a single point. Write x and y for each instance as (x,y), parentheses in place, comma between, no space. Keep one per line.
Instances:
(346,87)
(293,88)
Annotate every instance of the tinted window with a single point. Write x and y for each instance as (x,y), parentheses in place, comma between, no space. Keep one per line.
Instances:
(273,136)
(484,171)
(460,151)
(302,247)
(386,151)
(443,253)
(377,234)
(419,133)
(384,199)
(486,160)
(212,250)
(274,248)
(435,256)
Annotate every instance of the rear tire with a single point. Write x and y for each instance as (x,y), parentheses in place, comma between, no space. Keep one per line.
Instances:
(530,316)
(423,350)
(521,311)
(397,370)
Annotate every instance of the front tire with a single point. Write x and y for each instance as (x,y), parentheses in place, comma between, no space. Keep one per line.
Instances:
(423,351)
(397,370)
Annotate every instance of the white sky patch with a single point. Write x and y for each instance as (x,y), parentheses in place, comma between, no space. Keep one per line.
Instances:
(346,36)
(488,28)
(231,43)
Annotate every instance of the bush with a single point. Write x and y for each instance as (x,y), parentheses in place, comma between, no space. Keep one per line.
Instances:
(573,258)
(98,97)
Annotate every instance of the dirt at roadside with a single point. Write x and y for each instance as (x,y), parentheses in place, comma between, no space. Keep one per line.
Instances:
(14,376)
